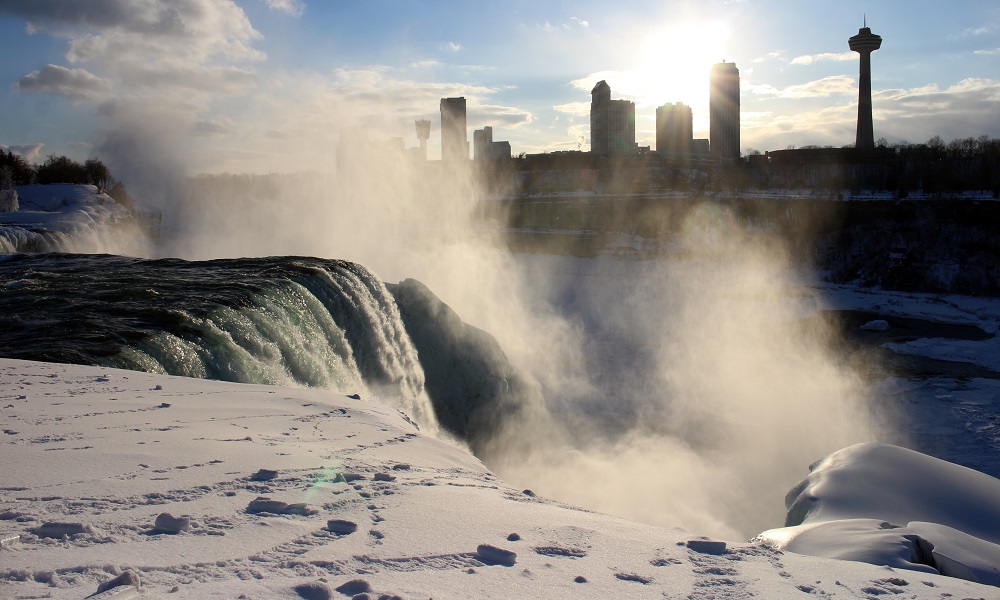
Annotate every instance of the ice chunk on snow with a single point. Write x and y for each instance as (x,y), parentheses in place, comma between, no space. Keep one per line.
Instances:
(492,555)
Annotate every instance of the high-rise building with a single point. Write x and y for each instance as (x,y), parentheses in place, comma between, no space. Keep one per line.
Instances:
(423,127)
(484,148)
(864,44)
(454,140)
(612,123)
(600,100)
(724,112)
(674,125)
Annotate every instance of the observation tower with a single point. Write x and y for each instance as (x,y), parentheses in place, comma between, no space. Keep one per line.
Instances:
(864,44)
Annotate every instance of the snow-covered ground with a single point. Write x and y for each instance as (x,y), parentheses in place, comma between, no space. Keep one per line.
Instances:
(362,503)
(69,218)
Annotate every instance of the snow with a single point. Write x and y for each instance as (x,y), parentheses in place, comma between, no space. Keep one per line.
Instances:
(888,505)
(68,218)
(61,203)
(113,451)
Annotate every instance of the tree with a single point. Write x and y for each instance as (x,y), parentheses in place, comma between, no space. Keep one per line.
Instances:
(62,169)
(98,174)
(21,171)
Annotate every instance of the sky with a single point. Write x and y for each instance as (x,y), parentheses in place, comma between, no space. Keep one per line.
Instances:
(212,86)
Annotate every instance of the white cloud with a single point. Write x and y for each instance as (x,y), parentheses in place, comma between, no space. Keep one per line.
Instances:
(769,56)
(578,109)
(827,86)
(977,31)
(75,84)
(572,23)
(454,46)
(291,7)
(825,56)
(988,52)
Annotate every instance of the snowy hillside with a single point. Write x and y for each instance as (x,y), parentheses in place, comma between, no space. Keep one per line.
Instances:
(279,492)
(68,218)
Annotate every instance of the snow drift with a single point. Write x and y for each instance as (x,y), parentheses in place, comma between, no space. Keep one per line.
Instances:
(68,218)
(891,506)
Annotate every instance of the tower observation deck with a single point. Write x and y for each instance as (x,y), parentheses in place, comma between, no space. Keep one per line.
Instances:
(864,44)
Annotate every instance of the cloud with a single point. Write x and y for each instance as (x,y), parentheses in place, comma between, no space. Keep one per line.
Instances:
(212,127)
(977,31)
(825,56)
(572,23)
(914,114)
(291,7)
(44,16)
(29,152)
(185,50)
(827,86)
(577,109)
(988,52)
(75,84)
(454,46)
(769,56)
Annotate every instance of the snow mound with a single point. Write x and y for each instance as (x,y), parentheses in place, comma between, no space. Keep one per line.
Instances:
(65,198)
(65,218)
(887,505)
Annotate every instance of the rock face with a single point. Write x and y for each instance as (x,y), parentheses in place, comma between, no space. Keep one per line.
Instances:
(469,379)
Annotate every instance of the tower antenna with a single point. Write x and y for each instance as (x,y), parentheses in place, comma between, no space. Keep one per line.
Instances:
(865,20)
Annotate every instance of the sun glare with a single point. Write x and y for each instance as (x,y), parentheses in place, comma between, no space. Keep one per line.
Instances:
(677,59)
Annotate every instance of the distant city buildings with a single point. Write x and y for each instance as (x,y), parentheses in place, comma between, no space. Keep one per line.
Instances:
(864,44)
(674,125)
(612,123)
(485,149)
(613,127)
(454,140)
(724,112)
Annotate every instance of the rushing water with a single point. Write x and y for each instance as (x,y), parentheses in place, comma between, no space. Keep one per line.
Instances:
(300,321)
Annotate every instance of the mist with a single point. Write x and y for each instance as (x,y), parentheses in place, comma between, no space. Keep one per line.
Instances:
(682,392)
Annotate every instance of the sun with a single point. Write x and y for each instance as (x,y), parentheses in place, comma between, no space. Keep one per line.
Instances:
(676,61)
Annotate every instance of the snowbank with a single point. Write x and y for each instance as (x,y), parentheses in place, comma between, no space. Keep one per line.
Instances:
(202,489)
(891,506)
(67,218)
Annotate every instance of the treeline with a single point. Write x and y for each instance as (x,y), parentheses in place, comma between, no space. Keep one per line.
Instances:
(16,170)
(933,167)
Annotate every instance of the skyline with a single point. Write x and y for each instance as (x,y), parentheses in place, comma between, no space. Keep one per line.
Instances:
(264,85)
